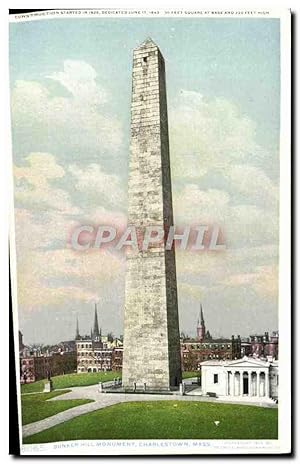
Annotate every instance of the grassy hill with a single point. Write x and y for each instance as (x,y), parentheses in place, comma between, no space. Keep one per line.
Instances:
(35,406)
(80,380)
(166,420)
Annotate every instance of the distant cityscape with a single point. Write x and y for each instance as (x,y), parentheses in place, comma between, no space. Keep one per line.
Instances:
(96,352)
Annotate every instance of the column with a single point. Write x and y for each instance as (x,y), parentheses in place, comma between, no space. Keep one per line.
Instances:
(267,384)
(263,384)
(233,383)
(257,383)
(226,382)
(250,383)
(241,383)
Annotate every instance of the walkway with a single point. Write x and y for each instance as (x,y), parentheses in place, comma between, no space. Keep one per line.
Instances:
(102,400)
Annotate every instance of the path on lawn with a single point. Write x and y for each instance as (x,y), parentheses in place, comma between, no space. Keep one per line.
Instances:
(102,400)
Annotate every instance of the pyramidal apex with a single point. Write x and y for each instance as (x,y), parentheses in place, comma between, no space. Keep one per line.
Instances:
(147,43)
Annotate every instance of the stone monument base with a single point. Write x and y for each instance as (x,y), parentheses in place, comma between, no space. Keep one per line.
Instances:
(48,387)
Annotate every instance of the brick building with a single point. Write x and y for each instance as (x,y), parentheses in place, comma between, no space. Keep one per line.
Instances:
(194,352)
(35,368)
(261,346)
(117,358)
(204,347)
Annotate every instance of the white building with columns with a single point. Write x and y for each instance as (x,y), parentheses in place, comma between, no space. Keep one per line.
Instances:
(245,378)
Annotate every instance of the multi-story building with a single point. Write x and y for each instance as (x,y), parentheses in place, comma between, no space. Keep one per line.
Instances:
(117,358)
(35,368)
(261,346)
(205,347)
(96,352)
(246,349)
(92,356)
(194,352)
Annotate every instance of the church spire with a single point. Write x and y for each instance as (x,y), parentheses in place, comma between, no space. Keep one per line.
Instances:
(201,331)
(77,336)
(96,332)
(201,314)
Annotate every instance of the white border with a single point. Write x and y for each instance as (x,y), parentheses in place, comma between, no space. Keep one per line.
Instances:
(197,12)
(284,410)
(282,445)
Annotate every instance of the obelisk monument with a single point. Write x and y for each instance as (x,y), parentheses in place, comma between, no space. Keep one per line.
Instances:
(151,355)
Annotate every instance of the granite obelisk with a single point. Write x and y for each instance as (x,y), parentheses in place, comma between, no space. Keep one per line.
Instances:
(151,355)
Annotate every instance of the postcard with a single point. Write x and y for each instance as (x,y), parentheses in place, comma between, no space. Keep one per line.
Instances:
(150,231)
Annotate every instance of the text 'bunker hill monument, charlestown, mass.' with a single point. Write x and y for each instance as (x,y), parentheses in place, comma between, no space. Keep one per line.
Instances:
(151,328)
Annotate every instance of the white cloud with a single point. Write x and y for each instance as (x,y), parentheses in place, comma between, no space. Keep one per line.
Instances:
(53,277)
(243,225)
(106,189)
(249,225)
(252,182)
(80,79)
(41,230)
(208,134)
(47,122)
(216,166)
(50,273)
(33,187)
(207,137)
(195,206)
(244,270)
(264,280)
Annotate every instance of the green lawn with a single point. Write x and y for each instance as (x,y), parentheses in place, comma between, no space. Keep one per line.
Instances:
(189,374)
(166,420)
(33,387)
(78,380)
(71,380)
(35,407)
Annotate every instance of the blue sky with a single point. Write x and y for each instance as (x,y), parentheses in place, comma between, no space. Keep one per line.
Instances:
(234,59)
(71,86)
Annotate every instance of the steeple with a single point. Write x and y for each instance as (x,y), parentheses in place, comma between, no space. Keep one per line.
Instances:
(96,332)
(77,336)
(201,315)
(201,331)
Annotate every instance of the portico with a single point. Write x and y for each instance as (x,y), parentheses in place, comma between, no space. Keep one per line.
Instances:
(246,377)
(247,383)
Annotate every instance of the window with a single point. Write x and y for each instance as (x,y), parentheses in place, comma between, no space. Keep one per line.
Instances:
(145,59)
(215,378)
